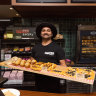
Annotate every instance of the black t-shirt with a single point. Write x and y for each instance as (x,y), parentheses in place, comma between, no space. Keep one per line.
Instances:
(50,53)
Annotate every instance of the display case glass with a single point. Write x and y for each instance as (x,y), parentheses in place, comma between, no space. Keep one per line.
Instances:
(86,46)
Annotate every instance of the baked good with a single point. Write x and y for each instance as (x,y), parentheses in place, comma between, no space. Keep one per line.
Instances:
(27,64)
(29,60)
(33,61)
(14,58)
(8,93)
(33,64)
(35,67)
(18,61)
(22,64)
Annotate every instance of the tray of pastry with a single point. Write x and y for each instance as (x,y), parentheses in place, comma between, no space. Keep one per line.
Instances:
(70,73)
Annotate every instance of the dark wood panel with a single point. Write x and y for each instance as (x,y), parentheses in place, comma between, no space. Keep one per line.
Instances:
(41,1)
(5,2)
(56,11)
(51,4)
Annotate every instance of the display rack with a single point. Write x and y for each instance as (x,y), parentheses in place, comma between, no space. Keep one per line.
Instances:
(86,44)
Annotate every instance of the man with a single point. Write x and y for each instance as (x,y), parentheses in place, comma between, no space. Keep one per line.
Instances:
(47,51)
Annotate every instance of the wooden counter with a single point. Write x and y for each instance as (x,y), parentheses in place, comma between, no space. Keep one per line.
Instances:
(36,93)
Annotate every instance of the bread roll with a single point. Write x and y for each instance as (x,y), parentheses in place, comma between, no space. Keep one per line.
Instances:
(14,58)
(18,61)
(22,64)
(29,60)
(27,64)
(13,62)
(33,61)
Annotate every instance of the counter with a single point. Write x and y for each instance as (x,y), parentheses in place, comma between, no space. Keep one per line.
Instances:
(37,93)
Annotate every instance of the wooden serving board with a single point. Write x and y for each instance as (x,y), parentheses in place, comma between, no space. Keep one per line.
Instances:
(53,74)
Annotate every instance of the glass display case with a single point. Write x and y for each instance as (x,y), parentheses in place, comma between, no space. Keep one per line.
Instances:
(86,44)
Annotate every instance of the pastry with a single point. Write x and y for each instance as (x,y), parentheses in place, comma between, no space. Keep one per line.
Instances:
(29,60)
(13,62)
(33,61)
(22,64)
(27,64)
(35,68)
(54,66)
(8,93)
(14,58)
(18,61)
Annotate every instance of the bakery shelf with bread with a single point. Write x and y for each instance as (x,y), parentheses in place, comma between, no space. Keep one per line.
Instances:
(50,69)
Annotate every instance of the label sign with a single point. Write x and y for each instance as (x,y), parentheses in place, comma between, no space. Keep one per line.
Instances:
(93,33)
(22,31)
(25,33)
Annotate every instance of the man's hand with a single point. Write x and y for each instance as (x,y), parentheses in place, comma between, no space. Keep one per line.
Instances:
(62,63)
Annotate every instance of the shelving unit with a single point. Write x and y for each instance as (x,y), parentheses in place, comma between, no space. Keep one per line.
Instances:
(22,43)
(86,43)
(55,3)
(26,41)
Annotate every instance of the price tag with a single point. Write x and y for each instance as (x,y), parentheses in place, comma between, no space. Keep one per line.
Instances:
(8,56)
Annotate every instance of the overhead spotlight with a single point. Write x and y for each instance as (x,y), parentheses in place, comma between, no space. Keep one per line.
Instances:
(11,8)
(17,14)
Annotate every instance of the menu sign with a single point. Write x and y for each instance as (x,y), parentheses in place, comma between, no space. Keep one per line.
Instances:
(39,1)
(83,1)
(25,33)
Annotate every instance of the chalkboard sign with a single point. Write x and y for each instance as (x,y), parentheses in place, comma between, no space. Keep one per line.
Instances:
(41,1)
(83,1)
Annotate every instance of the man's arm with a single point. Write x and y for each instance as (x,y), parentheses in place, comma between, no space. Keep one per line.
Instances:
(62,63)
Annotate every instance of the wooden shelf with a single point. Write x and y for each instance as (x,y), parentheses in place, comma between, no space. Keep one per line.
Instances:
(21,53)
(14,3)
(69,9)
(25,41)
(18,41)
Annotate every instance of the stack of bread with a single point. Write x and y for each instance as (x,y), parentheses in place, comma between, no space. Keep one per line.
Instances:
(32,64)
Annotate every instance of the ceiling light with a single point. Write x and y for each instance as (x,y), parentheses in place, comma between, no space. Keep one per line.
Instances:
(11,8)
(17,14)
